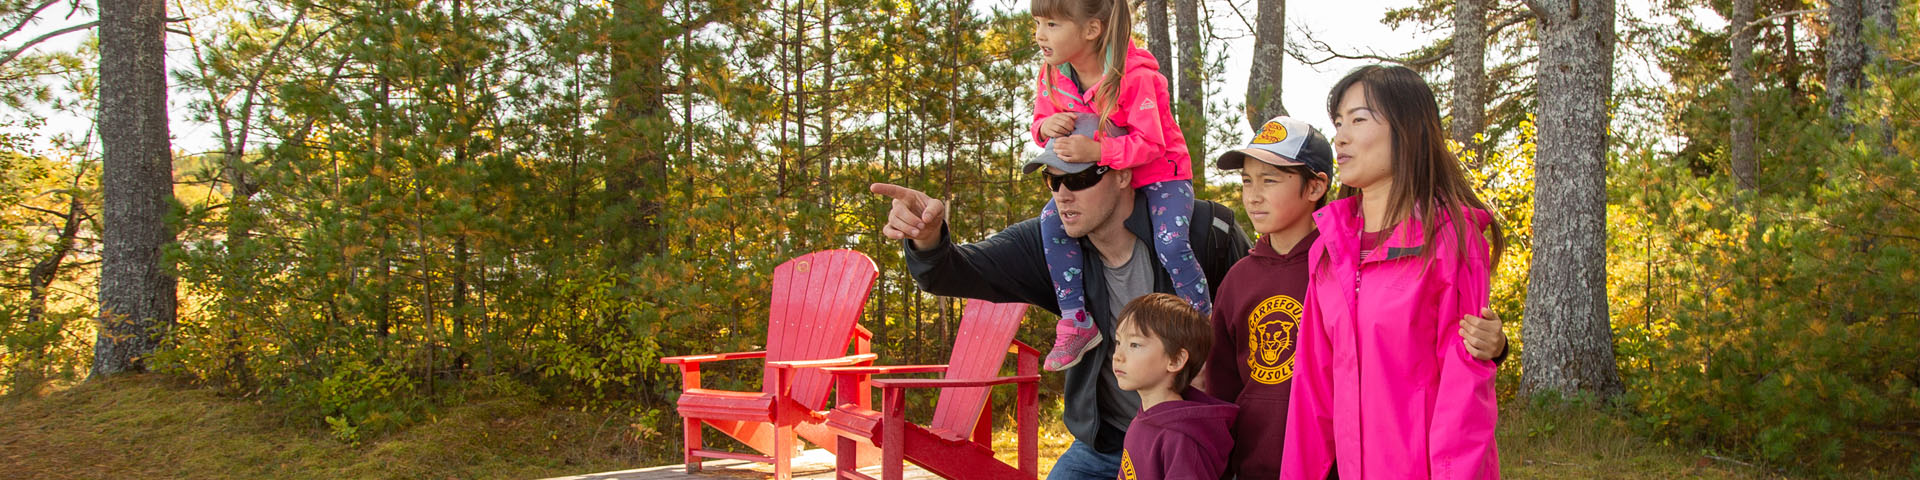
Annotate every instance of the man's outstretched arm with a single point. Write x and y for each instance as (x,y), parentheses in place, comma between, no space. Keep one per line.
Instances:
(1007,267)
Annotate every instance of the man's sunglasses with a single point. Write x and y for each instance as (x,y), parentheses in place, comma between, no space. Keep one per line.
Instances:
(1076,181)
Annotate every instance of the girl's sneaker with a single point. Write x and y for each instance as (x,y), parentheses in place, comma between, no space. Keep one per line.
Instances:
(1070,343)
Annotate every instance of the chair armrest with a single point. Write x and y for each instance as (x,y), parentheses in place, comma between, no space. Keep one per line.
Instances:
(850,383)
(829,362)
(886,369)
(945,383)
(712,357)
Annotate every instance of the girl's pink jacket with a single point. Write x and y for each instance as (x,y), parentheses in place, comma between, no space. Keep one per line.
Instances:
(1384,383)
(1153,145)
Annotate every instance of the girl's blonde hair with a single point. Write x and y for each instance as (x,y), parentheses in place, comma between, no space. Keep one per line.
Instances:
(1115,36)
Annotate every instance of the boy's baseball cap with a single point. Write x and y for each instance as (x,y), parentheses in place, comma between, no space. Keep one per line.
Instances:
(1283,141)
(1083,124)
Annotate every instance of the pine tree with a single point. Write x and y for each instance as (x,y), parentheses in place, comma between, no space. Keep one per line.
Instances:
(1567,331)
(137,303)
(1269,53)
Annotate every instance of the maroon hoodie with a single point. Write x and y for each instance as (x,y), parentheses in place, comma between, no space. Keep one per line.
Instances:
(1184,439)
(1256,317)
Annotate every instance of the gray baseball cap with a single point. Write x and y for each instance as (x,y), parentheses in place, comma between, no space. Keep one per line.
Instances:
(1083,124)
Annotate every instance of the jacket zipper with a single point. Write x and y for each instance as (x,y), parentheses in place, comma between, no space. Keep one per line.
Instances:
(1359,265)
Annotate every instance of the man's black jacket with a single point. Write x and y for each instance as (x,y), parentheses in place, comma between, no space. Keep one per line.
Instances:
(1010,267)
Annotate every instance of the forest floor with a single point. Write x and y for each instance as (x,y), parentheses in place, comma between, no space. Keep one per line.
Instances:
(151,426)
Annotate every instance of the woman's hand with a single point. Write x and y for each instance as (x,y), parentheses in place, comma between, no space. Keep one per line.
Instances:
(1483,336)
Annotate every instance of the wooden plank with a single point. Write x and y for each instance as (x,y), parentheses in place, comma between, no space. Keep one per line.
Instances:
(816,464)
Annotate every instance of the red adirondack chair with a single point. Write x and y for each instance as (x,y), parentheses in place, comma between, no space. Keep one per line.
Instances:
(959,441)
(817,301)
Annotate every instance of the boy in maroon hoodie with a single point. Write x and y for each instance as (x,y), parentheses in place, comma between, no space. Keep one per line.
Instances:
(1180,432)
(1257,311)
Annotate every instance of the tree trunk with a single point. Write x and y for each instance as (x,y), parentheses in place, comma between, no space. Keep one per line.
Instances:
(827,151)
(1738,103)
(239,227)
(1845,56)
(1569,342)
(462,156)
(798,85)
(461,311)
(1879,16)
(136,293)
(1791,71)
(383,311)
(30,371)
(1158,41)
(635,126)
(1193,91)
(384,320)
(783,56)
(1269,53)
(40,278)
(1469,74)
(1878,21)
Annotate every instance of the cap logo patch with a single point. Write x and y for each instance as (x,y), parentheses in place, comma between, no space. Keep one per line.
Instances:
(1272,132)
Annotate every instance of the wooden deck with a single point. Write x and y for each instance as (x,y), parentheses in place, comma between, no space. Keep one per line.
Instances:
(810,465)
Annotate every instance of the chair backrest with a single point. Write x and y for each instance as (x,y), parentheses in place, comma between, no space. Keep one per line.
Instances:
(979,349)
(817,300)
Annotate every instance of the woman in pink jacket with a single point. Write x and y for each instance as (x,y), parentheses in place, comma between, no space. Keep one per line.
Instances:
(1384,388)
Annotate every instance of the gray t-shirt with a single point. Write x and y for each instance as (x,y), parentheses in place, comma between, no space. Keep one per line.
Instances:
(1124,283)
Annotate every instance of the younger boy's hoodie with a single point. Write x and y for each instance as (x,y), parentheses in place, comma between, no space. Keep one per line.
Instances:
(1256,320)
(1153,146)
(1186,439)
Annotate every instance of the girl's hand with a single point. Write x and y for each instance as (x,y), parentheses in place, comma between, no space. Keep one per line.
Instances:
(1058,125)
(1077,149)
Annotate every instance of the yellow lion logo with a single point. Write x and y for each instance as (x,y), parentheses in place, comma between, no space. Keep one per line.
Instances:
(1268,335)
(1272,132)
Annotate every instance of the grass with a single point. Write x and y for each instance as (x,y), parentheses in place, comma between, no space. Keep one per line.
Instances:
(150,426)
(1545,441)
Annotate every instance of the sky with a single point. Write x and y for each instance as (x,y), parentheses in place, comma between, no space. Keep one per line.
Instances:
(1353,26)
(1346,25)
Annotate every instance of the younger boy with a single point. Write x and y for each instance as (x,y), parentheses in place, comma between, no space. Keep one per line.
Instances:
(1180,432)
(1258,305)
